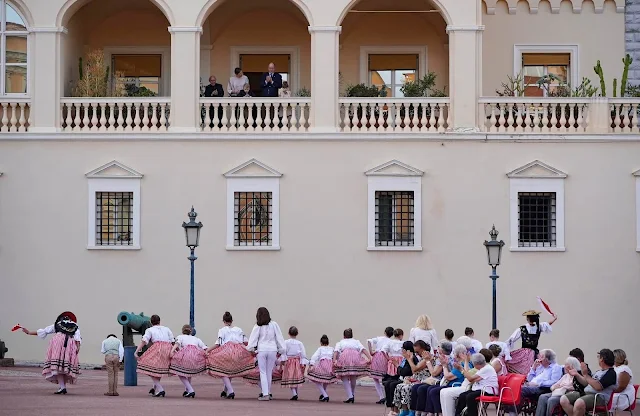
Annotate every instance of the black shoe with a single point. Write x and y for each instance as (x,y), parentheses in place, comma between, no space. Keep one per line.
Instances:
(294,398)
(320,398)
(231,396)
(152,392)
(159,394)
(381,401)
(191,395)
(325,399)
(223,394)
(61,391)
(270,396)
(351,400)
(184,393)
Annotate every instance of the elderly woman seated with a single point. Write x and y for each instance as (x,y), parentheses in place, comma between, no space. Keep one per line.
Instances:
(425,398)
(422,371)
(548,401)
(484,379)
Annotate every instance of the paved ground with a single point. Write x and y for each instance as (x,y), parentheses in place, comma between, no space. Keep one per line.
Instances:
(24,392)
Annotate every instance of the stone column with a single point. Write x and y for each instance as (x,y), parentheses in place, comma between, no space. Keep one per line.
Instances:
(632,38)
(45,78)
(325,53)
(465,76)
(185,79)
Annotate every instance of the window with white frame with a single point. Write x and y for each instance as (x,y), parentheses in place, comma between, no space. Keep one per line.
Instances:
(393,71)
(537,208)
(114,207)
(394,207)
(253,207)
(13,55)
(553,65)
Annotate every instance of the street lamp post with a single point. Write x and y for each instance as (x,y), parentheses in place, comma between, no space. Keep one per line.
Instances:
(192,235)
(494,251)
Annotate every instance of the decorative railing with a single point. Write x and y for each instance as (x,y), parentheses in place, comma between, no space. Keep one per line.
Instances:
(625,115)
(15,114)
(84,115)
(534,115)
(422,115)
(255,114)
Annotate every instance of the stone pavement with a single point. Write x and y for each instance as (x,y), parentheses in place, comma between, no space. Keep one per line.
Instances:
(23,391)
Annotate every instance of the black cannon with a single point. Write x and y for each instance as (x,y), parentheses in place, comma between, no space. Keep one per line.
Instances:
(3,349)
(132,324)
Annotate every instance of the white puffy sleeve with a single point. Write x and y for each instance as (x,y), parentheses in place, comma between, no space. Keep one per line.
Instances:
(42,333)
(253,338)
(315,357)
(545,327)
(513,338)
(303,355)
(434,340)
(77,336)
(338,347)
(386,348)
(201,344)
(220,337)
(147,335)
(360,346)
(171,338)
(279,338)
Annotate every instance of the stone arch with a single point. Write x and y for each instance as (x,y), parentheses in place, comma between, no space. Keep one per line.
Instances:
(212,4)
(437,3)
(72,6)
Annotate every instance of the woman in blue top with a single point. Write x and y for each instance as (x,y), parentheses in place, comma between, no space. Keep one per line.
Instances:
(427,397)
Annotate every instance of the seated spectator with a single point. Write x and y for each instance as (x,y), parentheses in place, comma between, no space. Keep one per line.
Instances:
(548,401)
(476,345)
(625,392)
(485,379)
(213,89)
(602,383)
(544,373)
(577,353)
(494,339)
(403,370)
(237,83)
(497,361)
(449,396)
(421,372)
(425,398)
(467,342)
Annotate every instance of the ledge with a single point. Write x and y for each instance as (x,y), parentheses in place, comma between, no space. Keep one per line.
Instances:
(253,248)
(537,249)
(395,248)
(125,248)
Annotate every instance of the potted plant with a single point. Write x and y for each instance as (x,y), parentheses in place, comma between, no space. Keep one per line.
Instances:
(421,87)
(363,90)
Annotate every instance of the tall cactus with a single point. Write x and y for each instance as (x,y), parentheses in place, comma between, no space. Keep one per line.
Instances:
(615,87)
(598,70)
(627,61)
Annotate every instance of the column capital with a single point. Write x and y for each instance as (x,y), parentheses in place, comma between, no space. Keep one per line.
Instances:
(48,29)
(465,28)
(185,29)
(314,29)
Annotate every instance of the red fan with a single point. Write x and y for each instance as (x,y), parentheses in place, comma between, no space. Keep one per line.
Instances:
(16,327)
(546,307)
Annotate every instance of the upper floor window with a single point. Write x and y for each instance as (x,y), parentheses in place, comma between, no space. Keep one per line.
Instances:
(139,70)
(393,71)
(13,56)
(537,65)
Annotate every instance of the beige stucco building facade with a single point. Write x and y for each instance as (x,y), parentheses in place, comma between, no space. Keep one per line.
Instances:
(332,210)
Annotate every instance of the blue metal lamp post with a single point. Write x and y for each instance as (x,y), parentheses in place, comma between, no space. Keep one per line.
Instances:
(192,235)
(494,251)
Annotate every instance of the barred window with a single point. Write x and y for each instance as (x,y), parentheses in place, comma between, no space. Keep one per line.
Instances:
(537,219)
(394,224)
(114,218)
(253,218)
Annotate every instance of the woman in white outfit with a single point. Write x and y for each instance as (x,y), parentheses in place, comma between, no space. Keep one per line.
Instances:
(266,339)
(424,331)
(625,392)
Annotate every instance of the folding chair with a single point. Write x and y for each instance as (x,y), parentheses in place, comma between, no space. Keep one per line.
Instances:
(510,387)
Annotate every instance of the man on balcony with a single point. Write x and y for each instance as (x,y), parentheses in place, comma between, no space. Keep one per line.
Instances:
(214,89)
(271,82)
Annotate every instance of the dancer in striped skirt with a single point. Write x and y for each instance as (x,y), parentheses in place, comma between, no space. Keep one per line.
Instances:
(294,358)
(522,359)
(393,349)
(61,364)
(349,363)
(188,358)
(379,360)
(156,360)
(320,368)
(229,357)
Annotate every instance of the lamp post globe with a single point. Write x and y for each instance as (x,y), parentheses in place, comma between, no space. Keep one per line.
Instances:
(494,253)
(192,237)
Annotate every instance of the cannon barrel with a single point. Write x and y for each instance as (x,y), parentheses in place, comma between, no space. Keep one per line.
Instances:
(136,322)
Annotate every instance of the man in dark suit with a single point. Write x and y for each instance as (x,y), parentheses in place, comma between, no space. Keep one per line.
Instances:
(214,89)
(271,82)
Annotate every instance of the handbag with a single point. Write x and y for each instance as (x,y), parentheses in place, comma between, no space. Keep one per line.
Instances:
(560,391)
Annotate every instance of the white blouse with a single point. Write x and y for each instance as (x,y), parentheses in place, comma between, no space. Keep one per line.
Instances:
(294,348)
(51,329)
(394,348)
(378,343)
(266,338)
(427,335)
(231,334)
(185,340)
(621,400)
(158,333)
(349,344)
(322,353)
(531,329)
